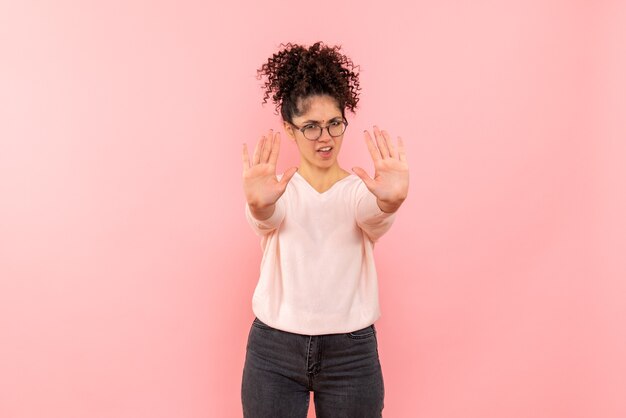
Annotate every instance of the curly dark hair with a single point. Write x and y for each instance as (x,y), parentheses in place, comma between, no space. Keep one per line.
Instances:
(297,72)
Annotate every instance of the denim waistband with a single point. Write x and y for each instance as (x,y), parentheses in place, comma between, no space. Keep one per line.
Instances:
(362,331)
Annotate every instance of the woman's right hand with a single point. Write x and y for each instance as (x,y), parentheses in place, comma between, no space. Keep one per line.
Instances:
(260,185)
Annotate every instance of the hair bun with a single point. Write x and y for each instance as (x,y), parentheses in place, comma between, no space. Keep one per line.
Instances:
(297,72)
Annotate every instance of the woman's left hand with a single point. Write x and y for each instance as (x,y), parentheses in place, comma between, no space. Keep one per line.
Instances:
(390,184)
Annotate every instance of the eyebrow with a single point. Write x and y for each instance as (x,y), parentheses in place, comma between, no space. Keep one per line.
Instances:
(318,122)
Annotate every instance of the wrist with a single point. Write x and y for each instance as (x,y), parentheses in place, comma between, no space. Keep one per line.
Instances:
(389,206)
(262,212)
(259,206)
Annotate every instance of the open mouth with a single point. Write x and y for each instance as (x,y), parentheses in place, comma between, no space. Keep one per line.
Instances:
(325,149)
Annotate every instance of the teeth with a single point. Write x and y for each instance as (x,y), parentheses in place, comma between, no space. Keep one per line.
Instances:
(325,149)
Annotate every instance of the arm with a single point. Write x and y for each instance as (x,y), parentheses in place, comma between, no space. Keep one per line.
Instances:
(266,225)
(373,221)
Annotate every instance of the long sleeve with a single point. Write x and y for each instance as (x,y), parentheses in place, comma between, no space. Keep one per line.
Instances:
(268,225)
(373,221)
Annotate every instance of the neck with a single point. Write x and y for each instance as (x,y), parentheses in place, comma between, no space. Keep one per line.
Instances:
(322,179)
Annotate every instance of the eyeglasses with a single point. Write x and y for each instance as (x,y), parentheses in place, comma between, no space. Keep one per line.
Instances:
(313,132)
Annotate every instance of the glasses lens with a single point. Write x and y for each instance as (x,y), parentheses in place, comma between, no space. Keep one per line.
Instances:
(336,128)
(312,132)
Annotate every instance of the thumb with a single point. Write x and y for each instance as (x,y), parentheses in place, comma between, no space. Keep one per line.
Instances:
(364,176)
(287,175)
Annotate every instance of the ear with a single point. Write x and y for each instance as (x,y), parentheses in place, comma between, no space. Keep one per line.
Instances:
(289,129)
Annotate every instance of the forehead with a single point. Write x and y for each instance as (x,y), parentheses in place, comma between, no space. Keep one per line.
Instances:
(318,109)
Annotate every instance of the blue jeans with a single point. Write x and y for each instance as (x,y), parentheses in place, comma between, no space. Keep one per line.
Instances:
(282,368)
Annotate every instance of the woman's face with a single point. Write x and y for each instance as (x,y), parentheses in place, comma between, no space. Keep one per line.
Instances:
(321,110)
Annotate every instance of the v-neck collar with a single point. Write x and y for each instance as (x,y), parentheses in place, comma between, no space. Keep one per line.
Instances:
(314,190)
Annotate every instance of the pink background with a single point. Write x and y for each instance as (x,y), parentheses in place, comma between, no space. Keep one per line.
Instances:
(126,264)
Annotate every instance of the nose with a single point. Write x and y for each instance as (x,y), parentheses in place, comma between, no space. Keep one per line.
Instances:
(325,137)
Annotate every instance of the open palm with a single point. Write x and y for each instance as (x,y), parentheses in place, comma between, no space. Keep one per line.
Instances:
(391,170)
(260,185)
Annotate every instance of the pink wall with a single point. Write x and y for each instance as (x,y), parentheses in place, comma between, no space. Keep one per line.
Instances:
(126,265)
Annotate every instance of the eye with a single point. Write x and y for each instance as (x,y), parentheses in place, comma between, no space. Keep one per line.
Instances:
(311,126)
(335,123)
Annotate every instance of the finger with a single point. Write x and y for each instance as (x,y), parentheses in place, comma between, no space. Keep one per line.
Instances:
(374,152)
(380,141)
(275,149)
(246,158)
(287,175)
(401,150)
(393,153)
(256,157)
(267,147)
(369,182)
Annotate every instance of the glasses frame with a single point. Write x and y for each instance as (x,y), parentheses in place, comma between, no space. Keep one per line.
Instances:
(327,127)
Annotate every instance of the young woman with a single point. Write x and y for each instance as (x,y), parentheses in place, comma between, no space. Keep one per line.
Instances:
(316,300)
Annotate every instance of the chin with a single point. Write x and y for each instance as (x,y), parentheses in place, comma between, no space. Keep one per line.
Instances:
(327,163)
